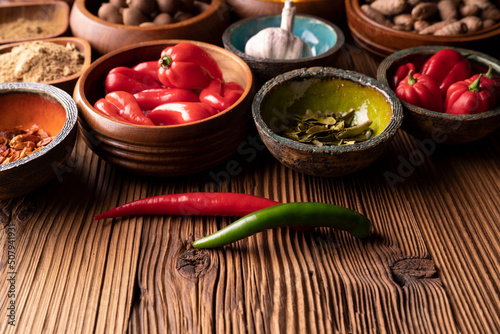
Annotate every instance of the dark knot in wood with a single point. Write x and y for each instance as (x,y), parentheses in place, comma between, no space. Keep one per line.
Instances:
(193,263)
(408,269)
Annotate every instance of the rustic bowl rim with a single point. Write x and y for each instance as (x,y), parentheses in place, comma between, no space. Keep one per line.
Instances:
(129,48)
(213,8)
(388,61)
(226,38)
(63,98)
(390,130)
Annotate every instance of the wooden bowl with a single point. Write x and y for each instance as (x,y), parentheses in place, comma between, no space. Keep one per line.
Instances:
(321,88)
(323,37)
(55,12)
(68,83)
(383,41)
(440,127)
(26,104)
(164,150)
(105,37)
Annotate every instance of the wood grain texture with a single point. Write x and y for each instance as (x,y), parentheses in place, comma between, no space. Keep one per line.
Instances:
(432,265)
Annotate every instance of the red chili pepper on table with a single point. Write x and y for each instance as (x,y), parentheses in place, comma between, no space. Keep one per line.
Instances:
(127,108)
(221,95)
(126,79)
(188,66)
(180,113)
(401,73)
(446,67)
(152,98)
(421,91)
(468,97)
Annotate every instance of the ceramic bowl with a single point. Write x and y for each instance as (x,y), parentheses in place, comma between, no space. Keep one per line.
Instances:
(324,88)
(383,41)
(105,37)
(164,150)
(55,12)
(67,83)
(324,37)
(441,127)
(25,104)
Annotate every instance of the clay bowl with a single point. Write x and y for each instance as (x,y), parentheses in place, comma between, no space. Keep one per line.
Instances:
(163,150)
(321,88)
(323,37)
(55,12)
(441,127)
(383,41)
(67,83)
(105,37)
(332,10)
(25,104)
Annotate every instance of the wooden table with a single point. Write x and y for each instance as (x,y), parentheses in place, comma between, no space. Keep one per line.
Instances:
(432,265)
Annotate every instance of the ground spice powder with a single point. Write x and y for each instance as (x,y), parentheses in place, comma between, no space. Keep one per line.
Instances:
(25,28)
(40,61)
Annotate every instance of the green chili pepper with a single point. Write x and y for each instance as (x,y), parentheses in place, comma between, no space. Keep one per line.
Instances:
(290,214)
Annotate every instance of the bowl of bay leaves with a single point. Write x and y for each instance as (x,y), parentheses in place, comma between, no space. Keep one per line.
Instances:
(326,122)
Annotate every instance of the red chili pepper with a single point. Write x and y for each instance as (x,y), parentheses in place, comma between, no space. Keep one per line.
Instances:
(128,80)
(188,66)
(180,113)
(489,80)
(469,97)
(221,95)
(128,108)
(202,203)
(109,109)
(446,67)
(421,91)
(401,73)
(148,67)
(152,98)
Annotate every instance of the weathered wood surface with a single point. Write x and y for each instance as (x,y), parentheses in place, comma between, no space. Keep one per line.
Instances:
(432,265)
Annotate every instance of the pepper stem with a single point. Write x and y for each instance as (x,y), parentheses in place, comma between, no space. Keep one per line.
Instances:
(411,79)
(165,61)
(475,87)
(489,74)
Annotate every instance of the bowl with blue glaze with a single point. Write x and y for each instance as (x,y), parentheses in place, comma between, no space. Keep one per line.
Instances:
(324,38)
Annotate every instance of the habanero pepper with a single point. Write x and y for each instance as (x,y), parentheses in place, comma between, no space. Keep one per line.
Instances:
(401,73)
(421,91)
(221,95)
(188,66)
(151,98)
(308,214)
(176,113)
(122,78)
(469,97)
(128,108)
(446,67)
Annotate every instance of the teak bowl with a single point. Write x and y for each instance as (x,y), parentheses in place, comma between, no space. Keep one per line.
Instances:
(441,127)
(68,83)
(383,41)
(105,37)
(324,37)
(55,12)
(26,104)
(164,150)
(324,89)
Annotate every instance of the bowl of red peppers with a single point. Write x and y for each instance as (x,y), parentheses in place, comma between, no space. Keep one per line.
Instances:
(165,108)
(450,95)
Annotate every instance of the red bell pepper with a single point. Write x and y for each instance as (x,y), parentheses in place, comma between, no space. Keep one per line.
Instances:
(152,98)
(221,95)
(109,109)
(180,113)
(188,66)
(469,97)
(148,67)
(446,67)
(421,91)
(128,108)
(401,73)
(126,79)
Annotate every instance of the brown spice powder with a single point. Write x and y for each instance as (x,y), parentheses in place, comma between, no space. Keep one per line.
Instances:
(40,61)
(25,28)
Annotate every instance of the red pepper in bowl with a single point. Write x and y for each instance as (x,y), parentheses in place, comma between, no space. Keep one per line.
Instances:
(221,95)
(188,66)
(148,67)
(126,107)
(469,97)
(489,80)
(446,67)
(420,90)
(122,78)
(180,113)
(401,73)
(152,98)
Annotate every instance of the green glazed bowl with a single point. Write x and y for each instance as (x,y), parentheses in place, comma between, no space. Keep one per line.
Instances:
(326,88)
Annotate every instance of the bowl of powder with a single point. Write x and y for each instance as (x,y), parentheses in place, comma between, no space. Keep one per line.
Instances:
(56,61)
